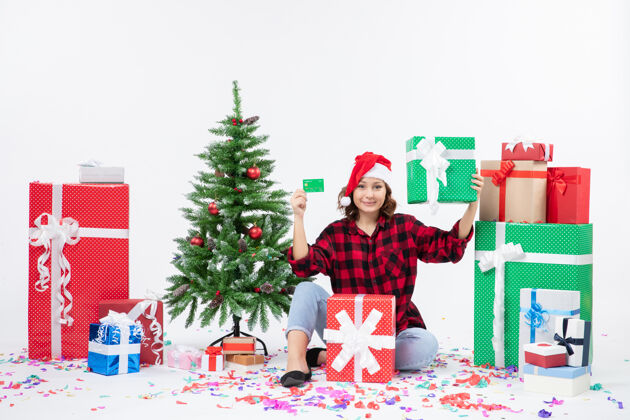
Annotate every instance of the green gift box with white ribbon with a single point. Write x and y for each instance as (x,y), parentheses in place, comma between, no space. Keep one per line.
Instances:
(440,170)
(514,256)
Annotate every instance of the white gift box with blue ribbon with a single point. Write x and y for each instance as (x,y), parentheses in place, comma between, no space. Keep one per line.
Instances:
(114,346)
(567,381)
(539,310)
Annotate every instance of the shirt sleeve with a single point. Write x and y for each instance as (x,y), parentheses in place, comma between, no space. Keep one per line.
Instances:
(436,245)
(318,260)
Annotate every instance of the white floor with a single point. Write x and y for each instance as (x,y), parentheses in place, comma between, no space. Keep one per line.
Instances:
(66,390)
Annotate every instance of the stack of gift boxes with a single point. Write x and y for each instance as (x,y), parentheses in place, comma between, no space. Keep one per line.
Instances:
(239,351)
(533,269)
(242,351)
(79,274)
(78,289)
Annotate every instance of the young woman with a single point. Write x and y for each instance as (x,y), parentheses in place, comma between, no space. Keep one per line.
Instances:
(373,251)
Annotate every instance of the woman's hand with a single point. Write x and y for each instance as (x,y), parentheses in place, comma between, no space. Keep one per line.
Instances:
(465,223)
(477,185)
(298,202)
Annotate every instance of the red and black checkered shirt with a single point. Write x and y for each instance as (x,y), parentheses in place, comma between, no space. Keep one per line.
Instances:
(384,263)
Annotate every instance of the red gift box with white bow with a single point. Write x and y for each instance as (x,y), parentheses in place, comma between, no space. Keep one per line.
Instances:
(79,255)
(527,150)
(150,313)
(360,338)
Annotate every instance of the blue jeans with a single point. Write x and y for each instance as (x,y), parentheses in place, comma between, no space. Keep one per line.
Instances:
(415,347)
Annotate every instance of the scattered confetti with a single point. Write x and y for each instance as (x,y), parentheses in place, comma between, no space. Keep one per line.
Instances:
(451,383)
(554,401)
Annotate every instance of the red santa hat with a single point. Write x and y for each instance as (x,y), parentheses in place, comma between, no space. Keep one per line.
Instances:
(367,165)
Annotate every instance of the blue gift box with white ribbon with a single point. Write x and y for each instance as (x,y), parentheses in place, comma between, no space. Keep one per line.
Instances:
(114,348)
(539,310)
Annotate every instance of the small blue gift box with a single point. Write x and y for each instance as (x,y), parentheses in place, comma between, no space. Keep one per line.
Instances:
(114,349)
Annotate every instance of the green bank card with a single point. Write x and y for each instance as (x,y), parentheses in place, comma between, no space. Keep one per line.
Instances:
(313,185)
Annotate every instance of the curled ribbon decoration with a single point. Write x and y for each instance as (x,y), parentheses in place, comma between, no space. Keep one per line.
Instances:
(356,342)
(435,165)
(156,328)
(536,317)
(499,176)
(507,252)
(556,181)
(65,231)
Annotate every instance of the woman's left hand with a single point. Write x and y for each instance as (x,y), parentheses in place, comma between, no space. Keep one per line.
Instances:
(465,223)
(477,183)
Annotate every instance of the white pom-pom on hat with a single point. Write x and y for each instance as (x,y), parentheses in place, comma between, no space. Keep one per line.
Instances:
(345,201)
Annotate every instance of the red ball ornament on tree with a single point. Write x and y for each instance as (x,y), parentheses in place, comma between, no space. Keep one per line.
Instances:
(196,241)
(257,289)
(253,172)
(213,209)
(255,232)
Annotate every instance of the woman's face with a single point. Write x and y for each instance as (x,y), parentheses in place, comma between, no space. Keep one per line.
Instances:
(369,196)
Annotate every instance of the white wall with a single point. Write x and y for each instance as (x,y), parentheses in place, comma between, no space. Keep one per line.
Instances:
(138,83)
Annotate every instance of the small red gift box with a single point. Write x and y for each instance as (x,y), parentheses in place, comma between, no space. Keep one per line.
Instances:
(239,345)
(213,359)
(360,338)
(79,255)
(545,355)
(150,313)
(568,195)
(527,150)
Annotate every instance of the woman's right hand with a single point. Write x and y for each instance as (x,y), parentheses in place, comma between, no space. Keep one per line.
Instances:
(298,202)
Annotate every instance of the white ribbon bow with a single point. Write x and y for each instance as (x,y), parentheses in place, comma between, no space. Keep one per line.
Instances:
(529,145)
(526,144)
(90,163)
(357,341)
(124,323)
(507,252)
(435,165)
(61,232)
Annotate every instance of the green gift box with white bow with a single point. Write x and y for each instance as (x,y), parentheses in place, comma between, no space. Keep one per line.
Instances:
(513,256)
(440,170)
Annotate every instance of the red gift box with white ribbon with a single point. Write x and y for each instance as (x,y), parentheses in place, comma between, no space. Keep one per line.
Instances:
(527,150)
(150,313)
(79,255)
(546,355)
(360,338)
(213,359)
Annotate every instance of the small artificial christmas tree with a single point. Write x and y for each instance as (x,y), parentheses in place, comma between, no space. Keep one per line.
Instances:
(234,260)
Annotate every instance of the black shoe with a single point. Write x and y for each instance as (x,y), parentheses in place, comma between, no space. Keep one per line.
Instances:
(295,378)
(312,355)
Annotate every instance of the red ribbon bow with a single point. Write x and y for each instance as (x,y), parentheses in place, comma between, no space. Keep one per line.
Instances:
(214,351)
(556,180)
(499,176)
